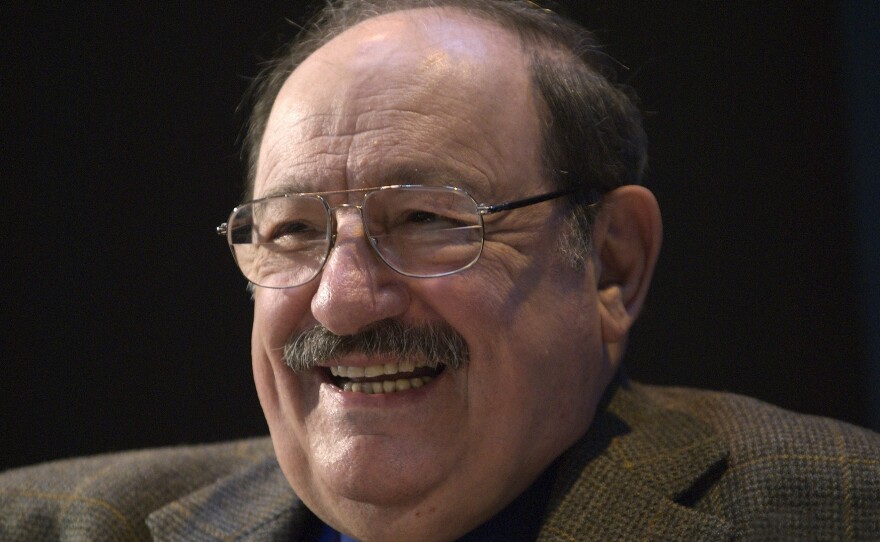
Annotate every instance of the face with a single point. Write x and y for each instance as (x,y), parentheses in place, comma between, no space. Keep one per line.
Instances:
(425,97)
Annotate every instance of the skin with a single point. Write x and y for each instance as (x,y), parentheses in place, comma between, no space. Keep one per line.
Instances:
(436,97)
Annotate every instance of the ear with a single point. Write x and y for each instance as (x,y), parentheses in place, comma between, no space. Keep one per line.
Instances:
(626,243)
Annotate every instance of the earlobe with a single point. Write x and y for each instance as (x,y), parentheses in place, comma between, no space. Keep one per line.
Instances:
(616,320)
(626,243)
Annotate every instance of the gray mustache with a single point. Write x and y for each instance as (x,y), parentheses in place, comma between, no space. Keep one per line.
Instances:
(438,344)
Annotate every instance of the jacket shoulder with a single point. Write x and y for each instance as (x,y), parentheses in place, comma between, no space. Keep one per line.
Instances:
(108,497)
(787,475)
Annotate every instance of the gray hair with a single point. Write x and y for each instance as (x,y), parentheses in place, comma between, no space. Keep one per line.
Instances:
(436,344)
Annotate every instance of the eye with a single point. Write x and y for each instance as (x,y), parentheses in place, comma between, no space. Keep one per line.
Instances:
(436,218)
(423,217)
(290,228)
(295,235)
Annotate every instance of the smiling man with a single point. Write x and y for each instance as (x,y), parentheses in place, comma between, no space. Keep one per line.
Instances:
(447,246)
(442,103)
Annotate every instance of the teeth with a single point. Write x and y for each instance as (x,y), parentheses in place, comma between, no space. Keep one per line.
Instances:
(376,370)
(391,385)
(387,386)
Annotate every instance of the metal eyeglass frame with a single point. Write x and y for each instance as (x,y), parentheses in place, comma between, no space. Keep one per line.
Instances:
(482,208)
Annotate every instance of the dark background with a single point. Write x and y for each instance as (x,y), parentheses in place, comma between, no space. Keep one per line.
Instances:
(127,324)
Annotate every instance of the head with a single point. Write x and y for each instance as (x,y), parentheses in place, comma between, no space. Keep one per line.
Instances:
(505,102)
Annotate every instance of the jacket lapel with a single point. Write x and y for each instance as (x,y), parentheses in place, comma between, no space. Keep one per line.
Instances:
(254,504)
(633,474)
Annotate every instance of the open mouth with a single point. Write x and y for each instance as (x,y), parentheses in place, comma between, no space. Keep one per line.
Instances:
(386,378)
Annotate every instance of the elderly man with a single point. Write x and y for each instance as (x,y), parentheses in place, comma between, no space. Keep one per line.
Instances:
(447,247)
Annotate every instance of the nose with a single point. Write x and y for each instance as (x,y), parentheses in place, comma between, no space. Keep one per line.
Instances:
(356,289)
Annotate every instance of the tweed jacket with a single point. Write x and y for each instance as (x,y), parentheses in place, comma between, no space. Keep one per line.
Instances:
(656,464)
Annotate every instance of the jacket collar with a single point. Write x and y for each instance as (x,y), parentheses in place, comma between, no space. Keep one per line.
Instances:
(633,474)
(256,503)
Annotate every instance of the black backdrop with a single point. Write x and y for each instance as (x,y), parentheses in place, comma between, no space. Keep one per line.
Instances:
(128,325)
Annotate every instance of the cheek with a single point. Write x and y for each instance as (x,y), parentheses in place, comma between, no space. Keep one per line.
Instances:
(535,346)
(277,315)
(480,297)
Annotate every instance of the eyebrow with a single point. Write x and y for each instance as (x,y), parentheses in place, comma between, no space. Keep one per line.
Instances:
(286,187)
(429,176)
(396,174)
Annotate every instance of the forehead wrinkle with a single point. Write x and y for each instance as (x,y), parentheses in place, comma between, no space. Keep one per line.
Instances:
(436,141)
(305,170)
(311,143)
(354,159)
(287,132)
(411,164)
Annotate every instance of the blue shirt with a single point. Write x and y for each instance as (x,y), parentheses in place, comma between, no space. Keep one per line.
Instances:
(520,521)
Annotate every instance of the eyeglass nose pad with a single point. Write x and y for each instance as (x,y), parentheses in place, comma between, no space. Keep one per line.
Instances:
(351,218)
(348,227)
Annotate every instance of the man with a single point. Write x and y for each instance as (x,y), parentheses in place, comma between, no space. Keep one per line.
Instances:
(447,246)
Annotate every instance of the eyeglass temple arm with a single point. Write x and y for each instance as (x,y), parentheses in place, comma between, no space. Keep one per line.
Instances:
(489,209)
(221,229)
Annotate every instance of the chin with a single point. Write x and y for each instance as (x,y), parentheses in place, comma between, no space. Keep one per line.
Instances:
(377,470)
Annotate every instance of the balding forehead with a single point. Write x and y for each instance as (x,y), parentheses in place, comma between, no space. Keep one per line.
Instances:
(427,45)
(399,73)
(458,33)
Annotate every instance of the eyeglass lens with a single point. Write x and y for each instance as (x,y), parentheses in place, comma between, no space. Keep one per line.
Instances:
(284,241)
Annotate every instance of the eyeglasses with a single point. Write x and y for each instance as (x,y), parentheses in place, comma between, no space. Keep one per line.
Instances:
(419,231)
